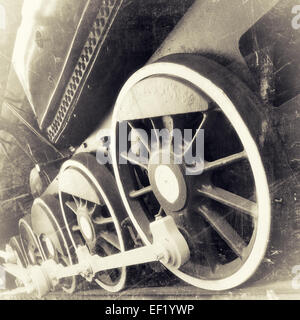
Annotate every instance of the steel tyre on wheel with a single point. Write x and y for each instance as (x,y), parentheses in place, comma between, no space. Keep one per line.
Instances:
(16,245)
(93,213)
(48,225)
(30,242)
(225,212)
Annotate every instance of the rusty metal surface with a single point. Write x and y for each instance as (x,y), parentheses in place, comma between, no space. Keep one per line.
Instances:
(288,116)
(214,27)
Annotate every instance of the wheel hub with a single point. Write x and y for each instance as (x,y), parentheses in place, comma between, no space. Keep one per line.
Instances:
(168,183)
(86,227)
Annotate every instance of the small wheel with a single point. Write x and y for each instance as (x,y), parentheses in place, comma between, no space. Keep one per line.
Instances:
(92,210)
(224,213)
(30,242)
(48,225)
(16,245)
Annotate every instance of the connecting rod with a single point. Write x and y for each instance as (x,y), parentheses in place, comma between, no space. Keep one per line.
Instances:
(168,247)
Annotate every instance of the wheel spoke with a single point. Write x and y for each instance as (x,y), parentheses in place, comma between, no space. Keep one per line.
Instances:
(111,239)
(224,161)
(127,157)
(140,137)
(231,200)
(91,209)
(71,205)
(103,221)
(113,274)
(107,276)
(155,131)
(106,247)
(76,201)
(138,193)
(76,228)
(187,148)
(84,203)
(200,234)
(161,144)
(225,230)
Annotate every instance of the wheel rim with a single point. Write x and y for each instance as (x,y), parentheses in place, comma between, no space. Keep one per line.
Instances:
(232,272)
(30,242)
(93,224)
(67,284)
(54,239)
(15,243)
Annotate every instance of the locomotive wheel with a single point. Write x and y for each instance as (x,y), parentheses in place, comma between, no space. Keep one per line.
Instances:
(225,212)
(92,211)
(16,245)
(30,242)
(49,226)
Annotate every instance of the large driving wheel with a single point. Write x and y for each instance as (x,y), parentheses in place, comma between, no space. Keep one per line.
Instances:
(225,212)
(93,213)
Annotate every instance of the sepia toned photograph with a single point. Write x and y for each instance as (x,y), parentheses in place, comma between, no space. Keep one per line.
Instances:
(149,150)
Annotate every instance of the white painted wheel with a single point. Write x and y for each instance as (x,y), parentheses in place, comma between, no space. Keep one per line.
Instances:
(92,212)
(226,222)
(30,242)
(48,225)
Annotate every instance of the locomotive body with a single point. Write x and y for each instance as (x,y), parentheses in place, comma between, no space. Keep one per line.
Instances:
(63,49)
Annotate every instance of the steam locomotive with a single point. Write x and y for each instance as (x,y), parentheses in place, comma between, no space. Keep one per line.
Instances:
(109,83)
